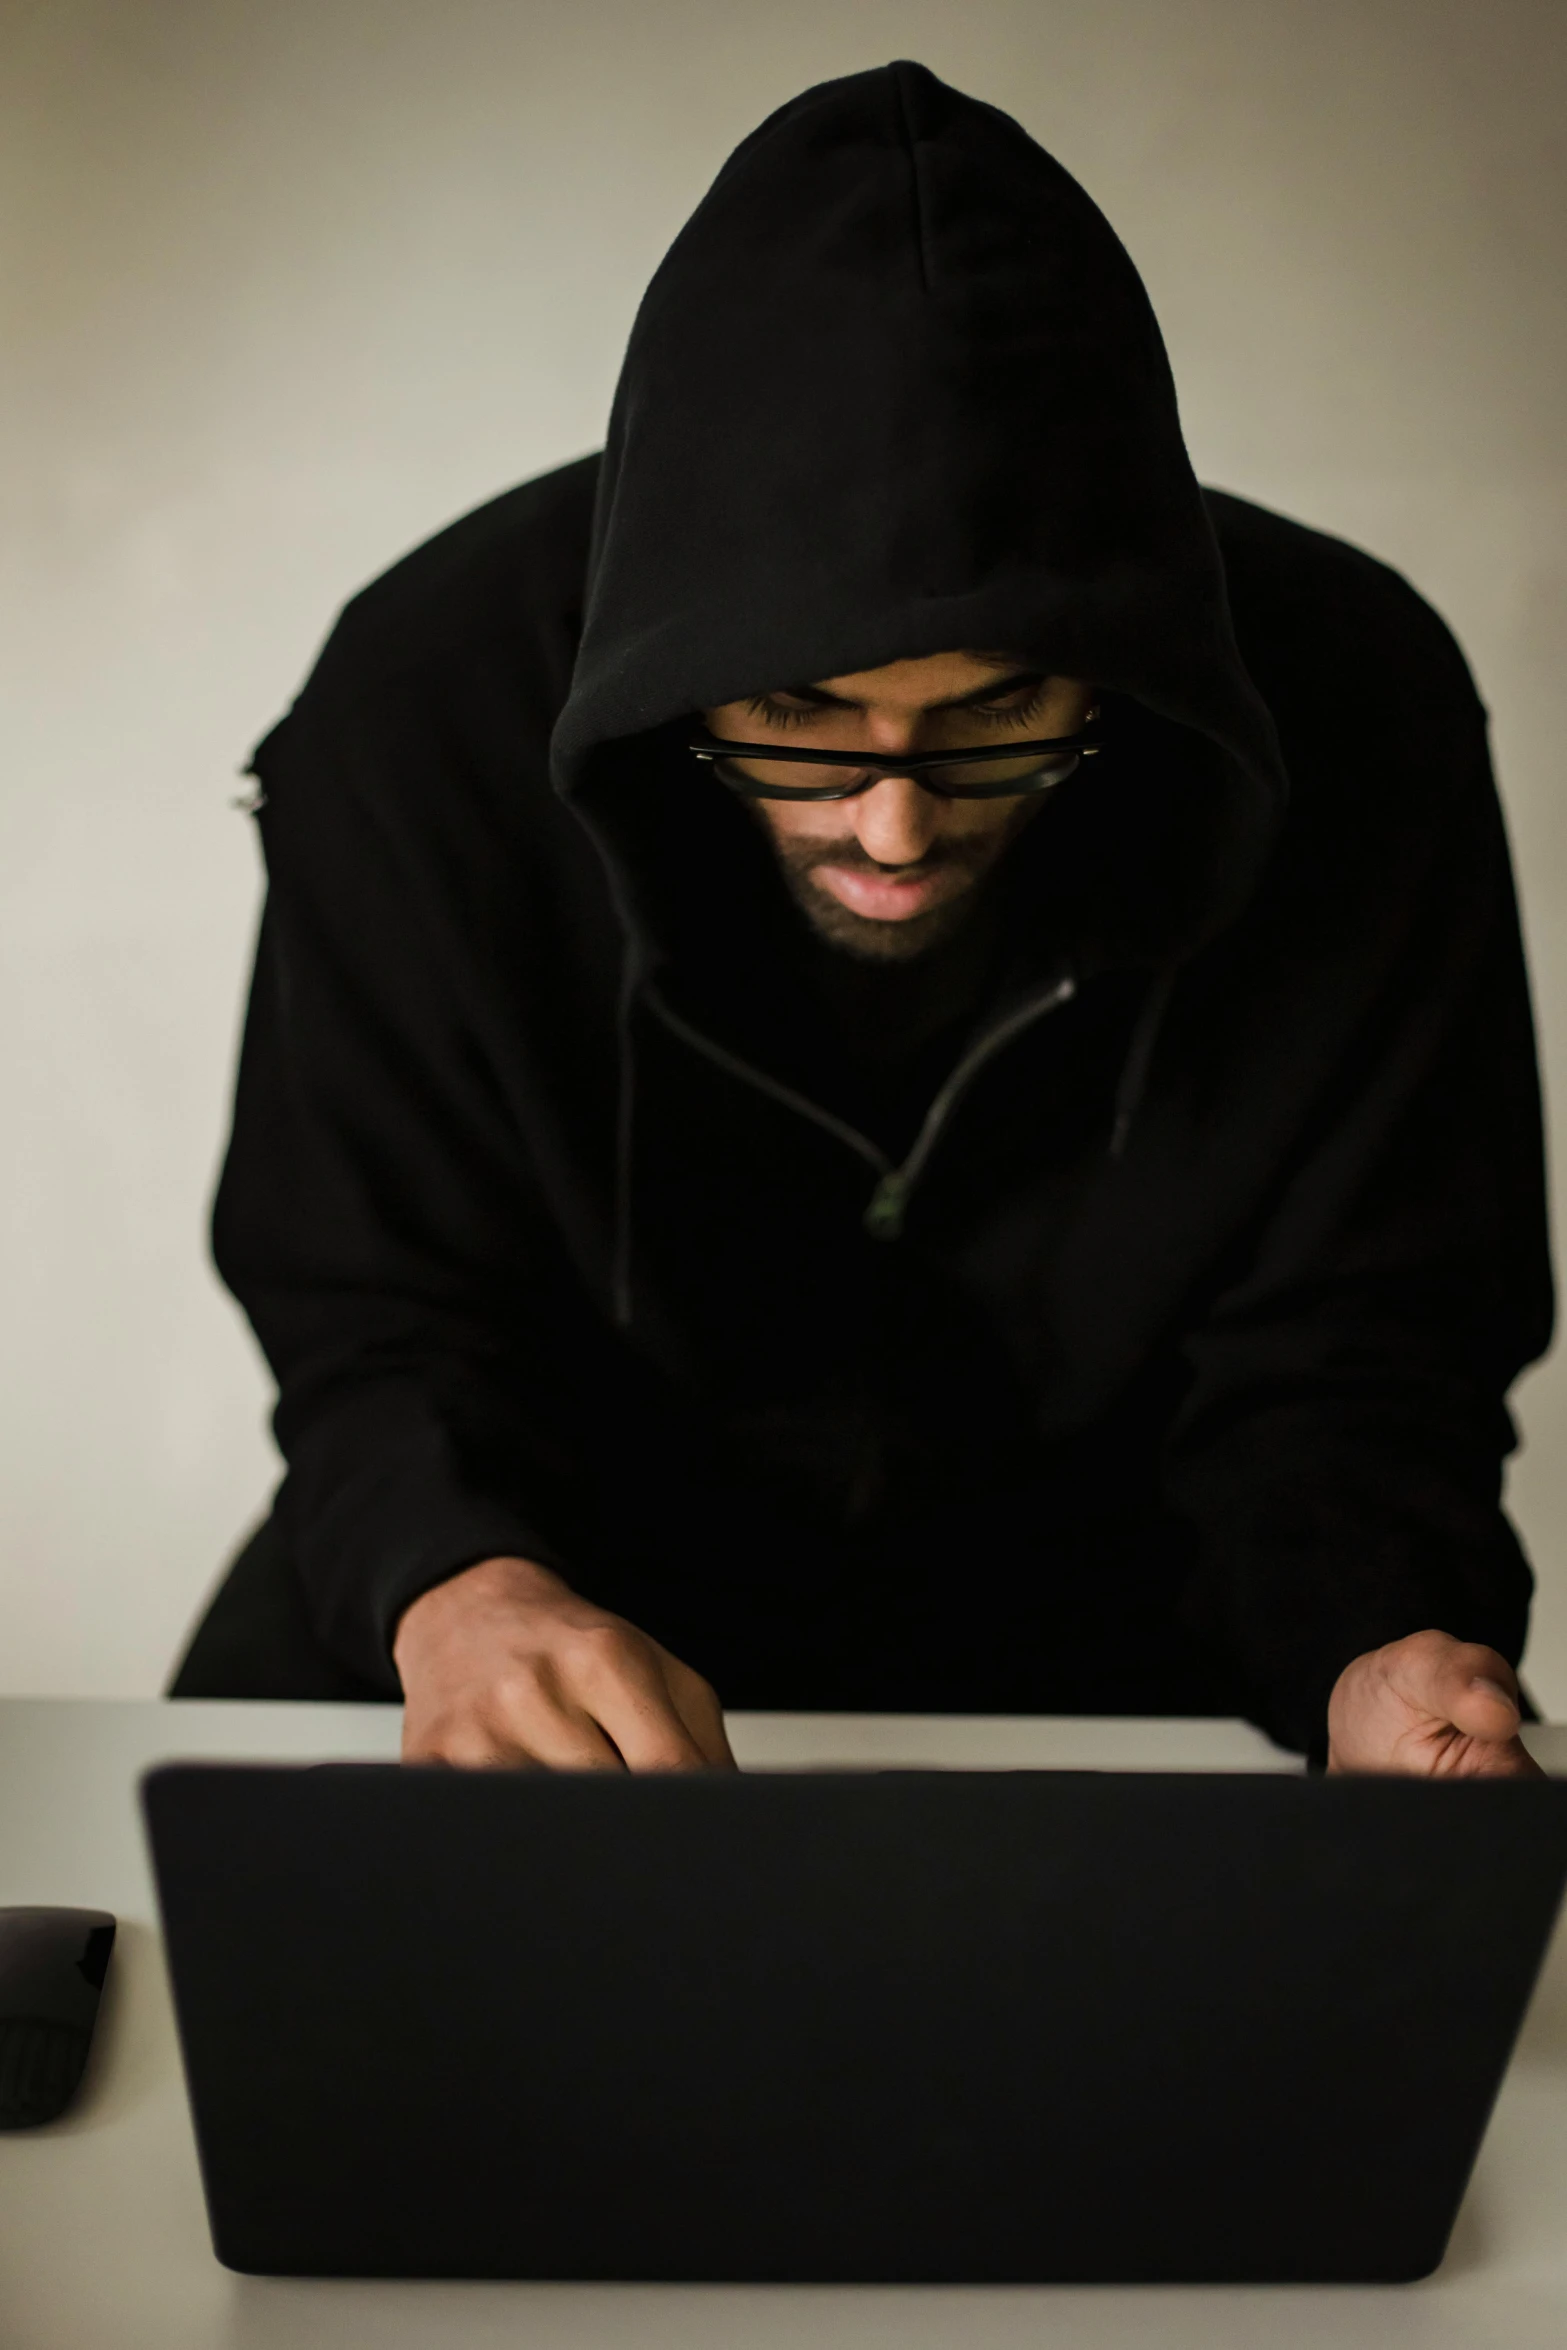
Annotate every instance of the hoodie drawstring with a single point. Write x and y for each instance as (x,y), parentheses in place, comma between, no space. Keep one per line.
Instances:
(1139,1054)
(1128,1098)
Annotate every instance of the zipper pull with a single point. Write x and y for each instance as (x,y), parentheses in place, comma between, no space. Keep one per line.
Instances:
(883,1217)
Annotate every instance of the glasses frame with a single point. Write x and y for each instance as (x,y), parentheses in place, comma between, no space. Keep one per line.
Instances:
(712,750)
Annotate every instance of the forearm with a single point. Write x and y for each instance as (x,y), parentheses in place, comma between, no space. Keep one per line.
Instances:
(383,1501)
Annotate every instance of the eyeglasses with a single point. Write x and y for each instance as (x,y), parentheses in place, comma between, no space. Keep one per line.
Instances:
(758,770)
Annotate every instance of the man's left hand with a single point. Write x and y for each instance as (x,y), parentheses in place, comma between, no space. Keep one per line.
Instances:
(1430,1705)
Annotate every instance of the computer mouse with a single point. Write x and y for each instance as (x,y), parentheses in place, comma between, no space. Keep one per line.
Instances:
(52,1965)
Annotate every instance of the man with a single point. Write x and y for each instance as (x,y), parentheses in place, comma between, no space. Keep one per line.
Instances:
(889,1063)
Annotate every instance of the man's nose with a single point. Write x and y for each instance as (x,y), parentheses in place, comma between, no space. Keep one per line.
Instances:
(895,822)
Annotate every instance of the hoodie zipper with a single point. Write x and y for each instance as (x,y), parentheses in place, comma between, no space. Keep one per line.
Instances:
(888,1204)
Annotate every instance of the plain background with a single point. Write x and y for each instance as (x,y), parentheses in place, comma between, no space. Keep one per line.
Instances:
(287,284)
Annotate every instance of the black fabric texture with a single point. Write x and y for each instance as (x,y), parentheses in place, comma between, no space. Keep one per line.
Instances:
(255,1638)
(1185,1379)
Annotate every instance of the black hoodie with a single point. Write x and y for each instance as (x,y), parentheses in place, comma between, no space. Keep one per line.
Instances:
(1164,1370)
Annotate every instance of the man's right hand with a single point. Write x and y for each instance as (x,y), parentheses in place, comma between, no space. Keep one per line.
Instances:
(504,1664)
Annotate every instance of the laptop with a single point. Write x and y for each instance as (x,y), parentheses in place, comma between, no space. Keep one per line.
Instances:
(871,2027)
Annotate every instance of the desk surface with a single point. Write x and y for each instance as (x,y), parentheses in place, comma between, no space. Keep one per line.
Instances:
(103,2238)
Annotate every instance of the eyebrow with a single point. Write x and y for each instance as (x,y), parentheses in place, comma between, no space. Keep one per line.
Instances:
(988,692)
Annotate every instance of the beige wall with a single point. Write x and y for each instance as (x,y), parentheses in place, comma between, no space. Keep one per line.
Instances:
(287,283)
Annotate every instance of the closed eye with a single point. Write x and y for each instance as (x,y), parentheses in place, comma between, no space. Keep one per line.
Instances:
(1010,713)
(780,714)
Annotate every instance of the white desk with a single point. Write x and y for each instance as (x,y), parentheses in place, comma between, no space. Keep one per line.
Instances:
(103,2240)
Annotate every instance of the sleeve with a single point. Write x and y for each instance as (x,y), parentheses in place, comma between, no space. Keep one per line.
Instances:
(1340,1451)
(378,1217)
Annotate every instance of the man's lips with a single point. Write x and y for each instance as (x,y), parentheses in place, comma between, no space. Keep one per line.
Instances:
(889,897)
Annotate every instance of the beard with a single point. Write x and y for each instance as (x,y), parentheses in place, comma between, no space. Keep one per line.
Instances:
(969,861)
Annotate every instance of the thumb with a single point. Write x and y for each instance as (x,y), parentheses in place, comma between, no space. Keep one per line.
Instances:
(1485,1708)
(1456,1681)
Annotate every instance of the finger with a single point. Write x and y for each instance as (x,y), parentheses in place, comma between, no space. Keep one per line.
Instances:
(649,1731)
(613,1675)
(457,1745)
(1461,1682)
(518,1727)
(697,1704)
(1498,1758)
(540,1724)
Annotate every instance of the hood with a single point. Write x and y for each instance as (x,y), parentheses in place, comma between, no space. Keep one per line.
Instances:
(898,389)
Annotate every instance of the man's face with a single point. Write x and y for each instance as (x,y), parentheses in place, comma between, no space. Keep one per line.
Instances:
(894,871)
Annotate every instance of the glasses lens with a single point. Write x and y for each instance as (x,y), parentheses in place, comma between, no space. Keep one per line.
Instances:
(1002,777)
(789,779)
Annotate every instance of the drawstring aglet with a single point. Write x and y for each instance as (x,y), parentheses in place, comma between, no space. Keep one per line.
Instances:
(883,1217)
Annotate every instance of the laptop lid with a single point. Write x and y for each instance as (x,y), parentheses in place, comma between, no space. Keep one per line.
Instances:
(879,2027)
